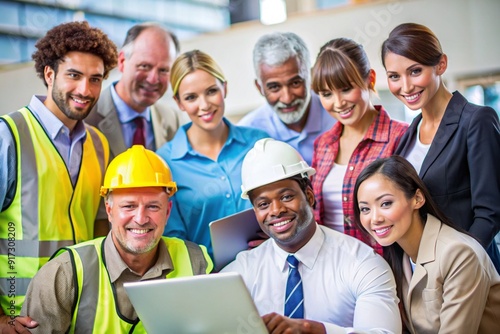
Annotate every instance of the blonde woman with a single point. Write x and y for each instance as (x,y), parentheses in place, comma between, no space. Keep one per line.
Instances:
(206,154)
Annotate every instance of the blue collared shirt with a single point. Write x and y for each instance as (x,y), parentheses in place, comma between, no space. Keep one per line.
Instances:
(68,144)
(207,189)
(126,116)
(318,121)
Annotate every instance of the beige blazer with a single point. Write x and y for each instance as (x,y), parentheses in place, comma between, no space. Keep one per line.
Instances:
(104,116)
(454,288)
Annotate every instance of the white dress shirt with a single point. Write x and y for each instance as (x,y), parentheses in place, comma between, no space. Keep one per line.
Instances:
(346,285)
(418,152)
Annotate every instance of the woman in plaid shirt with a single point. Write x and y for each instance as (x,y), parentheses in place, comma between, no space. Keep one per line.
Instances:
(343,79)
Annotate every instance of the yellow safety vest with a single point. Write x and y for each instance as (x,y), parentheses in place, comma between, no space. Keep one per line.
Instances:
(47,212)
(100,313)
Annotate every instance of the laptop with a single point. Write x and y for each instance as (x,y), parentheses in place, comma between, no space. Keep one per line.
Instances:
(230,235)
(210,304)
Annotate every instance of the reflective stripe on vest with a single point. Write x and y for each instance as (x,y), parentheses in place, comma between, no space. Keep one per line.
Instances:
(47,212)
(93,284)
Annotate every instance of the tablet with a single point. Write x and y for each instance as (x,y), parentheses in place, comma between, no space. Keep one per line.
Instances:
(210,304)
(230,235)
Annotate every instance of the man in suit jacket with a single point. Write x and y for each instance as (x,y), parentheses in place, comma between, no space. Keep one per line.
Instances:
(144,60)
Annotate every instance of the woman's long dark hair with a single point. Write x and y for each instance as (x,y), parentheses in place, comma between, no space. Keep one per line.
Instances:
(402,174)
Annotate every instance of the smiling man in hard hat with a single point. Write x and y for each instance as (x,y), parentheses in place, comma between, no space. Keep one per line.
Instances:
(82,287)
(308,278)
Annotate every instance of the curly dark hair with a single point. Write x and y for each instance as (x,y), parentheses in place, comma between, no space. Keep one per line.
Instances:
(73,36)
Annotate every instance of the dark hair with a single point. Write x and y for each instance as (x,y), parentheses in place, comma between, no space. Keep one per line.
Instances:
(304,184)
(340,63)
(73,36)
(402,174)
(413,41)
(137,29)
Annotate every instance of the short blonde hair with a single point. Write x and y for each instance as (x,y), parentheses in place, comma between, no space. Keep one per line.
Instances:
(190,61)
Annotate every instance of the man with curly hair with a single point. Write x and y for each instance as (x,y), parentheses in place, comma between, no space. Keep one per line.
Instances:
(129,110)
(51,163)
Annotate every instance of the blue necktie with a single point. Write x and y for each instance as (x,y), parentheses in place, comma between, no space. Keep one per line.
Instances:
(294,298)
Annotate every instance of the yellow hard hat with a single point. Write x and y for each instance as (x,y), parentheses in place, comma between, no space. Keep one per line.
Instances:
(138,167)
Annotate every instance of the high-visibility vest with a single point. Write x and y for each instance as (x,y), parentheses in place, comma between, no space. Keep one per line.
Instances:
(100,313)
(47,212)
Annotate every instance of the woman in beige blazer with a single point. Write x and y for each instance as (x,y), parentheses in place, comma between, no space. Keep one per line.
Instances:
(446,281)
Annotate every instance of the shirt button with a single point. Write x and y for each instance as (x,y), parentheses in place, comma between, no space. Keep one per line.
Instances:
(351,167)
(228,195)
(223,178)
(345,199)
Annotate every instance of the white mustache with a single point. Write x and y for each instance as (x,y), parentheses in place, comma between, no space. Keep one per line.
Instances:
(297,102)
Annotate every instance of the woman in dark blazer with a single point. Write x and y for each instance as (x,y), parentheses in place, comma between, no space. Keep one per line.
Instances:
(454,145)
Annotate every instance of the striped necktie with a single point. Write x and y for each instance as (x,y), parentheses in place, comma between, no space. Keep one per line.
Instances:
(294,298)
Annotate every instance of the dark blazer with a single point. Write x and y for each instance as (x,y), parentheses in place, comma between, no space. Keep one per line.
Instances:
(104,116)
(462,167)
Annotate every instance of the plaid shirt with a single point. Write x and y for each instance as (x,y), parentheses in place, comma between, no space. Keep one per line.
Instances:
(380,141)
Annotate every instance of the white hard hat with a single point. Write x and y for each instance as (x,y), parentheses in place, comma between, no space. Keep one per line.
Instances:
(270,161)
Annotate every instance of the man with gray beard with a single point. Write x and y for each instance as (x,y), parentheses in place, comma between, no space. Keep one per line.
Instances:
(293,112)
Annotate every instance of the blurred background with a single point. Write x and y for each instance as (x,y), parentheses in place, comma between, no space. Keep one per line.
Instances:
(228,29)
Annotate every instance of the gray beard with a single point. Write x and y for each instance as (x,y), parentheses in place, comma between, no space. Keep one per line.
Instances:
(294,116)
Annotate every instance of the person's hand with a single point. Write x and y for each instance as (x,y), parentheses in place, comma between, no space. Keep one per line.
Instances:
(279,324)
(254,243)
(5,327)
(9,325)
(21,324)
